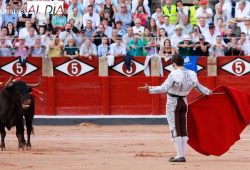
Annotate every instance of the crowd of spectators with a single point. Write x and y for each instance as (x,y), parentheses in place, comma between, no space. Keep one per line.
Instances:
(127,28)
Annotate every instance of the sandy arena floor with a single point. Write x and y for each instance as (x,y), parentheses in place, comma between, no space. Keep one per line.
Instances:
(92,147)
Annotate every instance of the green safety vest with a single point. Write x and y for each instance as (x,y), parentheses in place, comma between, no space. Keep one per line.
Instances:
(192,18)
(172,13)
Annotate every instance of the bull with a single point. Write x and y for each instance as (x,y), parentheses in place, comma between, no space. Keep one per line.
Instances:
(16,104)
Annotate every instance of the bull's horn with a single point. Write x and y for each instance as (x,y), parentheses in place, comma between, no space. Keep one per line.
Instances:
(34,85)
(7,82)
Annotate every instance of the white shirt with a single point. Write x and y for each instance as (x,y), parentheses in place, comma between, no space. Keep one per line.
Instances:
(245,30)
(24,33)
(203,29)
(200,12)
(108,31)
(176,39)
(30,41)
(168,28)
(95,18)
(242,14)
(114,49)
(139,30)
(226,8)
(210,38)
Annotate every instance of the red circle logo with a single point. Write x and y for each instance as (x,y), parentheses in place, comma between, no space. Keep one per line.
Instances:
(18,69)
(132,69)
(74,68)
(238,67)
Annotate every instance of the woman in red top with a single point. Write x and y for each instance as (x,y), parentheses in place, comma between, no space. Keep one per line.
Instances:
(142,14)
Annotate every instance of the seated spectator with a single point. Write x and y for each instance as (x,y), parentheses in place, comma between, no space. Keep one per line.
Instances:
(89,30)
(128,36)
(186,46)
(205,11)
(201,48)
(59,21)
(242,12)
(141,14)
(143,3)
(91,15)
(75,4)
(107,28)
(31,37)
(149,43)
(103,49)
(43,35)
(71,50)
(162,37)
(138,28)
(211,34)
(21,50)
(4,33)
(218,48)
(182,11)
(177,37)
(229,34)
(97,36)
(24,32)
(124,16)
(106,16)
(219,13)
(24,16)
(88,49)
(77,17)
(203,26)
(246,26)
(167,51)
(117,49)
(187,27)
(67,34)
(220,27)
(158,10)
(113,37)
(126,3)
(118,26)
(236,29)
(233,48)
(55,47)
(108,7)
(224,6)
(195,34)
(74,29)
(135,46)
(81,38)
(152,27)
(38,49)
(5,48)
(9,17)
(244,43)
(169,28)
(11,31)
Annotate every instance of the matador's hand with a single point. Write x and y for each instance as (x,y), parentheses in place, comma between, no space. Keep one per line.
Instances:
(143,88)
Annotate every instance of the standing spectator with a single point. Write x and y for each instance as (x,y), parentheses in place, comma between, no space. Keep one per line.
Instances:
(141,14)
(67,34)
(152,27)
(211,34)
(71,50)
(88,49)
(9,17)
(103,49)
(204,11)
(201,48)
(59,21)
(233,48)
(55,47)
(138,28)
(177,37)
(23,16)
(77,17)
(186,46)
(128,36)
(187,28)
(97,36)
(182,11)
(90,15)
(117,49)
(38,49)
(170,9)
(192,12)
(195,34)
(244,43)
(120,29)
(124,16)
(218,48)
(89,30)
(135,46)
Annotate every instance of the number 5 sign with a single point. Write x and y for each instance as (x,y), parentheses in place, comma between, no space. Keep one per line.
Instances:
(15,68)
(238,67)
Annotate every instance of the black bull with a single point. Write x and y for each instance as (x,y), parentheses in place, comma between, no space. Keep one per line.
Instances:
(17,103)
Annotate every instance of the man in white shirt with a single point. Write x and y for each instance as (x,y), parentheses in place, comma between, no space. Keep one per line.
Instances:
(169,28)
(203,25)
(128,36)
(242,12)
(138,28)
(90,15)
(177,37)
(30,39)
(24,32)
(204,11)
(77,17)
(211,34)
(67,34)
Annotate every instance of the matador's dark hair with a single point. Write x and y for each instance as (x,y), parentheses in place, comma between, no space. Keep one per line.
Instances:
(177,59)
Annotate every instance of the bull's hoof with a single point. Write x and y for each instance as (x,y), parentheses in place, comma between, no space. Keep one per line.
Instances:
(21,146)
(28,146)
(2,147)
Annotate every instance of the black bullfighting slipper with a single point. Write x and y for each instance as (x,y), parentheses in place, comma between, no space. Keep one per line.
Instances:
(181,159)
